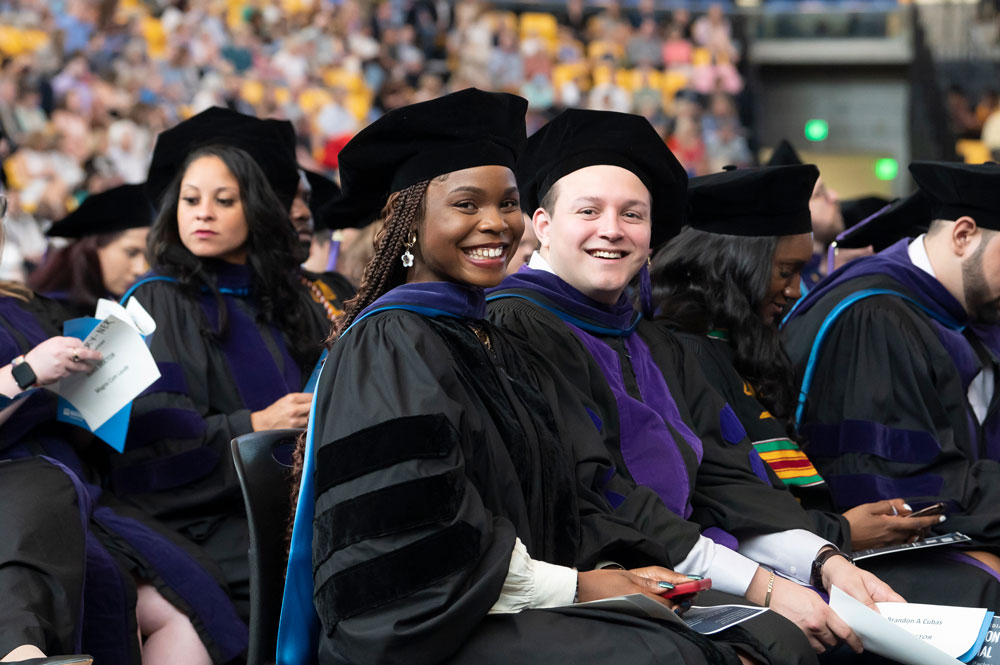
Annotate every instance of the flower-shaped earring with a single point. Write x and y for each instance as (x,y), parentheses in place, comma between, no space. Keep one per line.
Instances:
(407,257)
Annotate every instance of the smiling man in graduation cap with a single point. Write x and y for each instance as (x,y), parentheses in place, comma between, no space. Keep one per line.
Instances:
(897,358)
(604,188)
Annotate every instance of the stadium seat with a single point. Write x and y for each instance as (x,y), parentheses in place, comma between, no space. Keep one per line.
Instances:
(973,151)
(262,462)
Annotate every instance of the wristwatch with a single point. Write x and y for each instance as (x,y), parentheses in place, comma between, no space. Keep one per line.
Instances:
(816,575)
(22,373)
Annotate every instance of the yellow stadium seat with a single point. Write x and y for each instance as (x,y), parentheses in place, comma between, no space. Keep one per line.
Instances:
(341,78)
(598,49)
(562,74)
(282,95)
(252,91)
(701,56)
(155,36)
(635,79)
(973,151)
(359,104)
(313,99)
(541,24)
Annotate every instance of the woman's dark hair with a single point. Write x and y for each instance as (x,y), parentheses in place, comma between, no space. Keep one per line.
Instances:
(704,281)
(271,252)
(402,211)
(75,270)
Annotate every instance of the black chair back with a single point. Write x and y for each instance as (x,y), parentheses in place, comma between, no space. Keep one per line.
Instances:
(263,461)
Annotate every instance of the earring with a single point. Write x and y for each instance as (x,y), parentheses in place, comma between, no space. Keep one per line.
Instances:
(407,257)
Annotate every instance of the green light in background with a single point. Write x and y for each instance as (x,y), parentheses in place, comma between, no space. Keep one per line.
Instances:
(886,168)
(817,130)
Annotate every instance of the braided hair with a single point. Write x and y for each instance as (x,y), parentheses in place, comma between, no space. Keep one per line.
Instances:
(402,211)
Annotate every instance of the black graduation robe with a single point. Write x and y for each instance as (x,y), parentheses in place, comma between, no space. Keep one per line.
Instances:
(42,555)
(960,583)
(436,445)
(886,411)
(120,543)
(652,397)
(177,464)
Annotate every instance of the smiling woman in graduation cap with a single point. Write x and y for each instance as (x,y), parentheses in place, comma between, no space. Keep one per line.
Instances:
(721,284)
(238,329)
(107,253)
(440,504)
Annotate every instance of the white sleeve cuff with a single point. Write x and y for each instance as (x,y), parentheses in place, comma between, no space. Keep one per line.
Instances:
(532,584)
(730,571)
(790,553)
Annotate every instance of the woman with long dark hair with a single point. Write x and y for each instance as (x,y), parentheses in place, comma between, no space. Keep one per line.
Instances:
(440,464)
(722,286)
(239,329)
(78,570)
(107,253)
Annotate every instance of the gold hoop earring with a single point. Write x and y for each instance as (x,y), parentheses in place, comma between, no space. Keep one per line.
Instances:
(407,257)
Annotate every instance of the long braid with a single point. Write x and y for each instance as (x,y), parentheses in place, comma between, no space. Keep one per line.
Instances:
(385,271)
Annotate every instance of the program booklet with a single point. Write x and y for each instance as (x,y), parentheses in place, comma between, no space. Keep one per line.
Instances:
(917,634)
(952,538)
(704,620)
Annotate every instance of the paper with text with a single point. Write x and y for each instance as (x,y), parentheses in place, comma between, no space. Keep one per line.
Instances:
(126,369)
(954,630)
(881,636)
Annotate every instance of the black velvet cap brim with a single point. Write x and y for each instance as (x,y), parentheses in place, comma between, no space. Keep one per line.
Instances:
(956,190)
(756,202)
(112,211)
(270,143)
(903,218)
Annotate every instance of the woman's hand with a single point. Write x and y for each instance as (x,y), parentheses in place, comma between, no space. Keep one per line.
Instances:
(58,357)
(291,411)
(886,523)
(857,583)
(803,607)
(608,583)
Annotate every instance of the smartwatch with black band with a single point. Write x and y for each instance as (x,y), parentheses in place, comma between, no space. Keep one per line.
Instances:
(816,575)
(22,373)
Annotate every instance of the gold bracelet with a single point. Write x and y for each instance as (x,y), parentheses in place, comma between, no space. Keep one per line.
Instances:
(770,588)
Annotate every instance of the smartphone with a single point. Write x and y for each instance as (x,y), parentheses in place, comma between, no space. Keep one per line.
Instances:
(933,509)
(687,588)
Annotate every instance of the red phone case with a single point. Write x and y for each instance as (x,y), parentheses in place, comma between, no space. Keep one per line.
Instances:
(687,588)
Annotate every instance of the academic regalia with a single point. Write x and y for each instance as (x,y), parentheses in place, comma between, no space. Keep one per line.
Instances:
(886,413)
(112,211)
(885,401)
(120,541)
(665,425)
(906,573)
(792,468)
(42,556)
(177,462)
(433,443)
(461,454)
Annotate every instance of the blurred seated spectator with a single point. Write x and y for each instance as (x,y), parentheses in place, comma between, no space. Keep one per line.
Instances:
(988,103)
(677,48)
(689,148)
(962,119)
(645,47)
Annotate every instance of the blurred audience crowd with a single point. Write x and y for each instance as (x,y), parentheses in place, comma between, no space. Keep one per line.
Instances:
(85,85)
